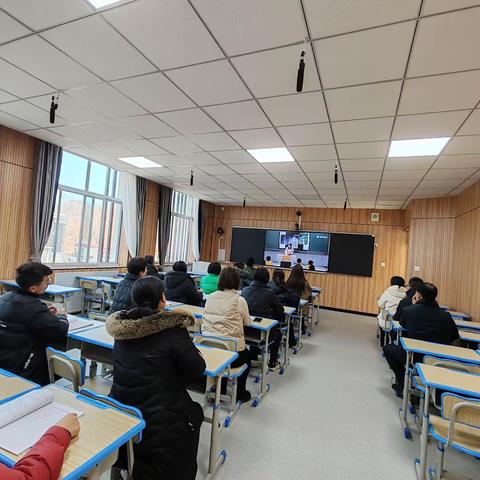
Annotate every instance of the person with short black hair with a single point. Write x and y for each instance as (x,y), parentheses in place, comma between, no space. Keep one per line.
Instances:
(388,303)
(122,299)
(245,277)
(250,266)
(299,261)
(180,286)
(225,315)
(311,266)
(268,261)
(209,283)
(28,326)
(154,360)
(151,269)
(262,302)
(424,320)
(413,284)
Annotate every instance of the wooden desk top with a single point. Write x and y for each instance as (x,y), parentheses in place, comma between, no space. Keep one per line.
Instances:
(265,325)
(52,289)
(11,386)
(96,336)
(437,349)
(469,336)
(111,280)
(195,311)
(217,360)
(453,381)
(102,431)
(459,315)
(289,310)
(467,324)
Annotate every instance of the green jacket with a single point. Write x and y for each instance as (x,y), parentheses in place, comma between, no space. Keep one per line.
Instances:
(209,283)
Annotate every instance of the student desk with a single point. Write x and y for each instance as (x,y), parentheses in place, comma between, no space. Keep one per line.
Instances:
(469,336)
(103,430)
(258,333)
(459,315)
(171,304)
(444,379)
(12,386)
(73,329)
(110,280)
(197,312)
(412,346)
(51,291)
(467,324)
(217,361)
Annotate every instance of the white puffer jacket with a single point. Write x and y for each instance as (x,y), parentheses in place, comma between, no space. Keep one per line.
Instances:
(226,312)
(389,301)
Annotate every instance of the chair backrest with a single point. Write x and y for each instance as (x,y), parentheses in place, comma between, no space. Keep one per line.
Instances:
(218,342)
(87,284)
(452,364)
(65,366)
(459,409)
(128,409)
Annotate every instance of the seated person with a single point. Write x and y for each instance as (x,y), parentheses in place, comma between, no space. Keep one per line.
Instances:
(388,302)
(151,269)
(245,277)
(28,326)
(44,460)
(311,265)
(180,286)
(424,320)
(154,359)
(298,283)
(122,300)
(250,266)
(209,283)
(413,284)
(225,315)
(262,302)
(299,261)
(289,249)
(268,261)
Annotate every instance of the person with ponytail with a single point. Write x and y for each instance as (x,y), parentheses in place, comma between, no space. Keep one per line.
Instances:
(154,359)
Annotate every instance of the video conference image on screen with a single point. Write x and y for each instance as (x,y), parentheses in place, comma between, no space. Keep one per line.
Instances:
(286,247)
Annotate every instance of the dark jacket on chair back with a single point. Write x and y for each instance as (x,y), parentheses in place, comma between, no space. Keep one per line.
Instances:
(285,296)
(154,359)
(27,328)
(262,301)
(404,302)
(180,287)
(430,323)
(122,300)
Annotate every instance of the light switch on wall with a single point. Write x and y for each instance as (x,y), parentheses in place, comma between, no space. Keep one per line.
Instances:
(382,264)
(416,268)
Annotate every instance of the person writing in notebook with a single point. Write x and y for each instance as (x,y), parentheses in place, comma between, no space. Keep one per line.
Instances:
(45,459)
(28,326)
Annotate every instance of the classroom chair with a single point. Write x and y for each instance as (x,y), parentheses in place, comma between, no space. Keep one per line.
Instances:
(457,428)
(384,328)
(231,374)
(116,473)
(92,294)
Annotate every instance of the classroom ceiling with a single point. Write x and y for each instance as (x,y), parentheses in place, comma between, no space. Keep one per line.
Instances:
(192,84)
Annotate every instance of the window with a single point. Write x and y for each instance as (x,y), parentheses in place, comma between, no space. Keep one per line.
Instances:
(180,244)
(88,215)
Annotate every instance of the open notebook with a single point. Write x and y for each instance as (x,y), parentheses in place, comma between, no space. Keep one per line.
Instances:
(24,420)
(76,323)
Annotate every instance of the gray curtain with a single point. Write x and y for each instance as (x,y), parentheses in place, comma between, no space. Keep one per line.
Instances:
(45,184)
(164,220)
(141,194)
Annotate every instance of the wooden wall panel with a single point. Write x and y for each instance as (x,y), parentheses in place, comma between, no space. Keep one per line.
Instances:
(150,223)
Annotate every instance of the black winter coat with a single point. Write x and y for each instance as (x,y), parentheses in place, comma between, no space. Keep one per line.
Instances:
(122,300)
(404,302)
(180,287)
(154,359)
(429,323)
(27,328)
(262,301)
(152,271)
(285,296)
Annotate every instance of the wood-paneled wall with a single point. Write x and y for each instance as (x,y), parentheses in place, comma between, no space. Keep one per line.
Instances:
(17,159)
(341,291)
(150,222)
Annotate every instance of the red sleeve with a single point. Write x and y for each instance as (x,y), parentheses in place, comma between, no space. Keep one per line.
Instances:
(44,460)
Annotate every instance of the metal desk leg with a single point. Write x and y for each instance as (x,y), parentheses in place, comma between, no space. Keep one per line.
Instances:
(216,458)
(406,388)
(286,356)
(299,344)
(421,463)
(264,387)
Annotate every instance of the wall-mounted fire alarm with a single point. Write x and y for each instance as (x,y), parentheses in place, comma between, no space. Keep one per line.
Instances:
(375,217)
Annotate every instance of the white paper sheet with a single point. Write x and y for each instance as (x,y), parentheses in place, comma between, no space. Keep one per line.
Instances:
(78,323)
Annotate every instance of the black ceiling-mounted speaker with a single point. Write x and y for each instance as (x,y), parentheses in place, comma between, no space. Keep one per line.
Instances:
(298,213)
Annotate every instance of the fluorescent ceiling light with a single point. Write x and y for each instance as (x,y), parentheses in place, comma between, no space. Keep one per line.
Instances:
(102,3)
(140,162)
(271,155)
(421,147)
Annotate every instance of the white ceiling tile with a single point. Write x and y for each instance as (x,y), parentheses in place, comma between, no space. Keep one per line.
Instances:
(228,179)
(377,100)
(318,166)
(110,130)
(408,163)
(450,173)
(142,147)
(248,168)
(291,177)
(39,15)
(234,157)
(154,92)
(443,124)
(259,138)
(210,83)
(167,22)
(274,23)
(340,16)
(309,153)
(10,28)
(15,123)
(52,137)
(455,91)
(106,100)
(363,187)
(214,141)
(398,198)
(78,134)
(166,160)
(97,46)
(37,57)
(362,130)
(6,97)
(401,175)
(465,144)
(472,125)
(366,56)
(99,156)
(200,158)
(440,183)
(392,185)
(458,161)
(30,113)
(114,149)
(261,178)
(178,145)
(435,6)
(443,43)
(147,126)
(364,175)
(239,115)
(302,186)
(362,150)
(190,122)
(183,170)
(310,134)
(283,167)
(273,72)
(217,170)
(295,109)
(20,83)
(322,177)
(362,164)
